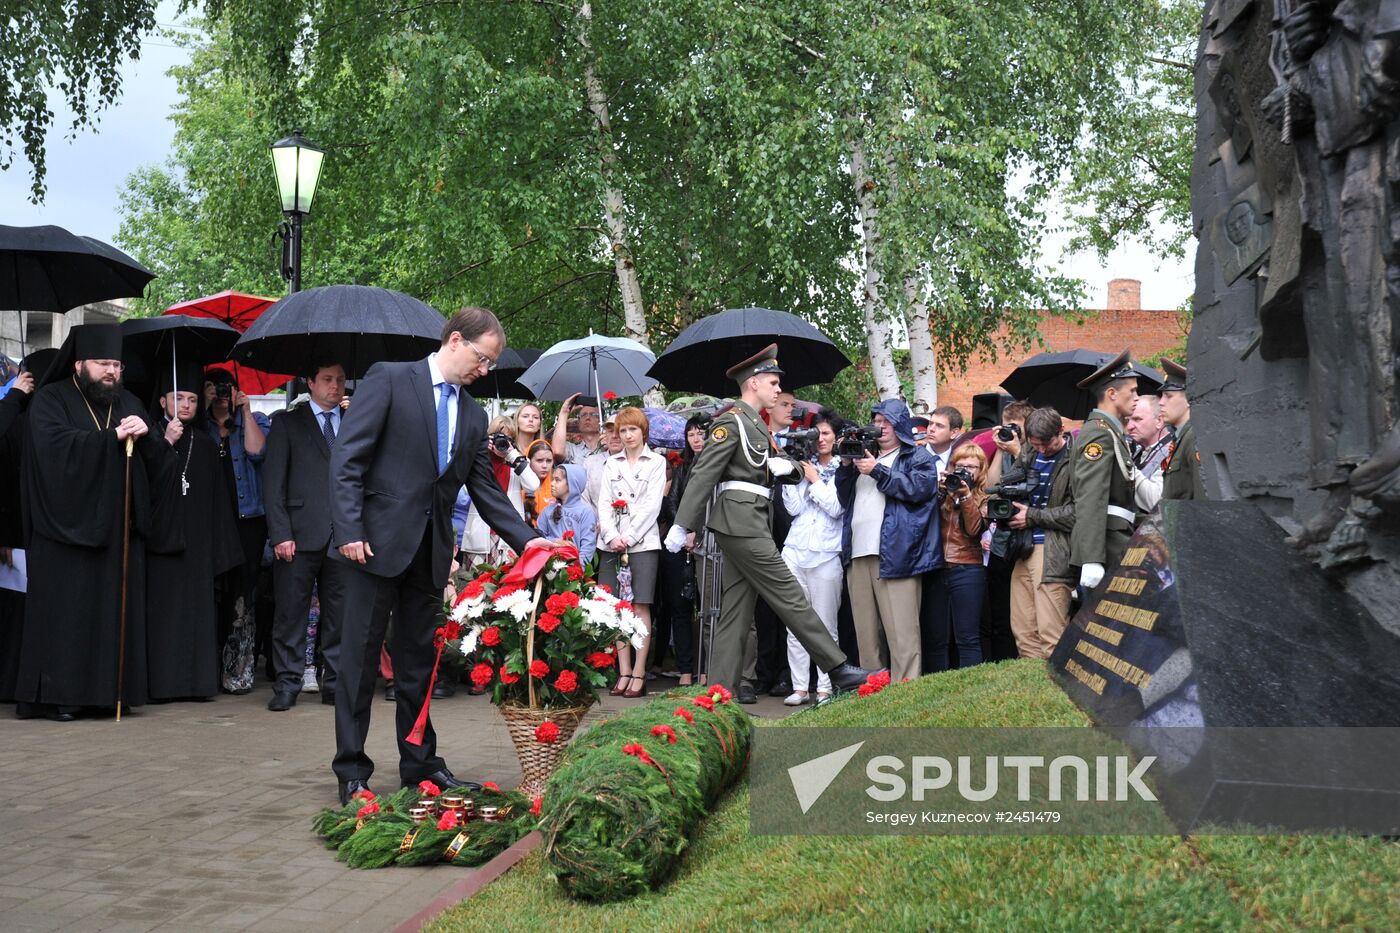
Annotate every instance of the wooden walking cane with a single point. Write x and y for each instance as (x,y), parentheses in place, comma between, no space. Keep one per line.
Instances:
(126,561)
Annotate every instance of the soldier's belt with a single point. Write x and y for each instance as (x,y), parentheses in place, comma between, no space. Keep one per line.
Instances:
(1126,514)
(735,485)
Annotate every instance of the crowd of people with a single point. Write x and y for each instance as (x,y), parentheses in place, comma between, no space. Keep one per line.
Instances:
(918,545)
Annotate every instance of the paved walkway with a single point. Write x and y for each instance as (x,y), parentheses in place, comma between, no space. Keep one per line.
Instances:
(197,816)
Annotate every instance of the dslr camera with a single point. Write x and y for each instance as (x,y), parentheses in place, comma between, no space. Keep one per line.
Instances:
(1015,486)
(801,445)
(223,390)
(955,479)
(500,442)
(1009,432)
(855,442)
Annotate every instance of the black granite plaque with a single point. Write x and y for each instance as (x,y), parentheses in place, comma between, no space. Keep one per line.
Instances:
(1212,627)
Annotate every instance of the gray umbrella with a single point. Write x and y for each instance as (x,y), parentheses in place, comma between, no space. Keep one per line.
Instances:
(592,365)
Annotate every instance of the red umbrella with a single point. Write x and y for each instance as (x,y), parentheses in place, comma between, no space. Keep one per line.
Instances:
(239,311)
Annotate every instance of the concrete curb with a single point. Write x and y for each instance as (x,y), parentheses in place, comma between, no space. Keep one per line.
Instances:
(466,887)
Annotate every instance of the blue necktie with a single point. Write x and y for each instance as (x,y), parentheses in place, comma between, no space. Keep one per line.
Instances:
(330,429)
(444,447)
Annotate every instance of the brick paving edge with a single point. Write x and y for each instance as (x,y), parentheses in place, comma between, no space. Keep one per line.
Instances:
(464,888)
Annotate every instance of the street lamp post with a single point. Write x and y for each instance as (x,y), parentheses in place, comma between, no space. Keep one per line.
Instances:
(297,164)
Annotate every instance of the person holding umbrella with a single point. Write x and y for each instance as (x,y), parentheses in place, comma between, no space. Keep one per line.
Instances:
(740,462)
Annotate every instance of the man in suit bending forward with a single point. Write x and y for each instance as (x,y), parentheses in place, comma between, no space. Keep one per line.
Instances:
(410,441)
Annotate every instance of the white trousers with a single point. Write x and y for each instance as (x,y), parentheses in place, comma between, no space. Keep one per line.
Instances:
(822,584)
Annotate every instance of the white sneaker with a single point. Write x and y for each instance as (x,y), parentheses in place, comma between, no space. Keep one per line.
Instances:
(308,681)
(796,698)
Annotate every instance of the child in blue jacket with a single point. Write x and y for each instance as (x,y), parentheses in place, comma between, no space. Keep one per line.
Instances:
(568,511)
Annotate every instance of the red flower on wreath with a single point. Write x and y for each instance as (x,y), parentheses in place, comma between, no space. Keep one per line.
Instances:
(665,730)
(548,622)
(507,677)
(568,536)
(482,674)
(535,807)
(610,396)
(506,590)
(368,810)
(560,603)
(447,631)
(685,714)
(365,794)
(491,637)
(882,679)
(600,660)
(866,690)
(473,589)
(429,788)
(720,692)
(448,820)
(538,669)
(638,752)
(491,785)
(567,681)
(575,572)
(704,703)
(547,733)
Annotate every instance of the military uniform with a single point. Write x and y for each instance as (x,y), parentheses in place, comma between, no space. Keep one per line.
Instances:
(1181,471)
(1102,483)
(735,462)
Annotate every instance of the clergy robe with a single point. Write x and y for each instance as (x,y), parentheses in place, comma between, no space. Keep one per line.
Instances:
(73,475)
(192,540)
(12,428)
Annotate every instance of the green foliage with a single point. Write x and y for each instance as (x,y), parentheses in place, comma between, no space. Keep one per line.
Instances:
(616,824)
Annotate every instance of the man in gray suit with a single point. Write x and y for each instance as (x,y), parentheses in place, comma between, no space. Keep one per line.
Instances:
(410,441)
(297,497)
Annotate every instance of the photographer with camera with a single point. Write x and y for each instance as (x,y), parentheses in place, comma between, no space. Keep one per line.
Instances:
(1041,580)
(888,485)
(998,642)
(962,585)
(515,477)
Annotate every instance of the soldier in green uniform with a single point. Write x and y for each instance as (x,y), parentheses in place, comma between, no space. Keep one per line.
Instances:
(740,462)
(1181,472)
(1103,479)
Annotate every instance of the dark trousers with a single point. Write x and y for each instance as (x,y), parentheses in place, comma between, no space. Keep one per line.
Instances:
(293,582)
(958,608)
(998,644)
(680,611)
(933,620)
(363,602)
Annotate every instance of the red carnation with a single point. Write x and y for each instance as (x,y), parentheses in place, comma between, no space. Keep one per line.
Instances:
(365,794)
(451,630)
(368,810)
(555,605)
(504,591)
(448,820)
(547,732)
(535,807)
(882,679)
(866,690)
(548,622)
(619,503)
(600,660)
(567,681)
(491,637)
(685,714)
(638,752)
(624,604)
(539,670)
(610,396)
(666,731)
(604,587)
(473,589)
(507,677)
(722,692)
(491,785)
(568,536)
(704,702)
(482,674)
(575,572)
(570,599)
(429,788)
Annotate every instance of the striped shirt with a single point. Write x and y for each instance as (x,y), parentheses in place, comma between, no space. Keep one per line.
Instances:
(1043,466)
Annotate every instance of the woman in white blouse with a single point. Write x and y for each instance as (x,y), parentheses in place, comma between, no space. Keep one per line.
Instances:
(629,503)
(813,551)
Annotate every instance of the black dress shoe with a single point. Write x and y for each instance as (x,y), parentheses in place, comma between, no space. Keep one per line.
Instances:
(780,689)
(443,689)
(282,700)
(349,789)
(746,695)
(390,693)
(849,677)
(444,779)
(327,697)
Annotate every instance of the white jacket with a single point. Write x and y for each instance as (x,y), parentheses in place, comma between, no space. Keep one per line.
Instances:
(643,486)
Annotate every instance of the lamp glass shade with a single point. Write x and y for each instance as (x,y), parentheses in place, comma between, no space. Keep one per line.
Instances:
(297,164)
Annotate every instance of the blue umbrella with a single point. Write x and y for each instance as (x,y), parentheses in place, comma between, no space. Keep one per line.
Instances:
(665,428)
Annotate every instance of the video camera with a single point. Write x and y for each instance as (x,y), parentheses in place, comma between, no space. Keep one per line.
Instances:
(1015,486)
(801,445)
(855,441)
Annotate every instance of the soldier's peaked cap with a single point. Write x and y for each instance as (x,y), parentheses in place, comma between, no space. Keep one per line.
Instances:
(1119,367)
(1176,376)
(764,361)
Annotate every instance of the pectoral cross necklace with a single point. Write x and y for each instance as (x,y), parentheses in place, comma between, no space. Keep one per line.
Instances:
(185,483)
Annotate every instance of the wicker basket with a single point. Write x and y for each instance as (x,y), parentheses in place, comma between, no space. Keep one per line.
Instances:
(538,759)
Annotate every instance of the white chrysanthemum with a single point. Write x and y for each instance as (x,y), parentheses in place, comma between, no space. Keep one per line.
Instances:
(469,609)
(516,604)
(469,640)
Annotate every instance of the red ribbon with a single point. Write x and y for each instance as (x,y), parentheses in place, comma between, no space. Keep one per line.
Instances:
(526,567)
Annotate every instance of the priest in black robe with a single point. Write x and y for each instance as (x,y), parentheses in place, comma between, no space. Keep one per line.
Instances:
(74,468)
(193,539)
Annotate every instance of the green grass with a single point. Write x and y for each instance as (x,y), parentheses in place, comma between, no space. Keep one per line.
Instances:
(732,880)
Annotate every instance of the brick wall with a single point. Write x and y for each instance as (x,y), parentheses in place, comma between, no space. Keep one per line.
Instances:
(1123,324)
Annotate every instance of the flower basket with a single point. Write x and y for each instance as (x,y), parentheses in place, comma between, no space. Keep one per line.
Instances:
(538,760)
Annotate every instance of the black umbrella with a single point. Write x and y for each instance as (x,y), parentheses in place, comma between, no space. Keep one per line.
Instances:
(1051,380)
(147,341)
(501,381)
(697,359)
(354,325)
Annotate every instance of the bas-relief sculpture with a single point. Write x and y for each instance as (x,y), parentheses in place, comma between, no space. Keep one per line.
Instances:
(1296,194)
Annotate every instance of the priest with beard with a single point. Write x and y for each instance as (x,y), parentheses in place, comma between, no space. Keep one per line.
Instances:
(73,471)
(192,540)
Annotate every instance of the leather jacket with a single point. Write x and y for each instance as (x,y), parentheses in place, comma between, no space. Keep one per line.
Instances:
(963,525)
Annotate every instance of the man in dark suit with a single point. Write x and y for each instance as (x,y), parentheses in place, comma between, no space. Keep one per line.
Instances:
(297,496)
(408,444)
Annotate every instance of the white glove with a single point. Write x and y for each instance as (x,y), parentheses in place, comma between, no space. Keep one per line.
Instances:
(675,539)
(1090,575)
(780,466)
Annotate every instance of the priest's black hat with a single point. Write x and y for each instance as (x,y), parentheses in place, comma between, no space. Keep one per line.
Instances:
(85,342)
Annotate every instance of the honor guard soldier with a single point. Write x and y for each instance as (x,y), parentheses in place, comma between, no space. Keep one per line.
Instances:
(740,463)
(1181,472)
(1104,475)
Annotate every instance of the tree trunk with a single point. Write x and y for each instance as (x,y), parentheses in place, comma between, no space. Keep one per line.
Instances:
(873,308)
(921,356)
